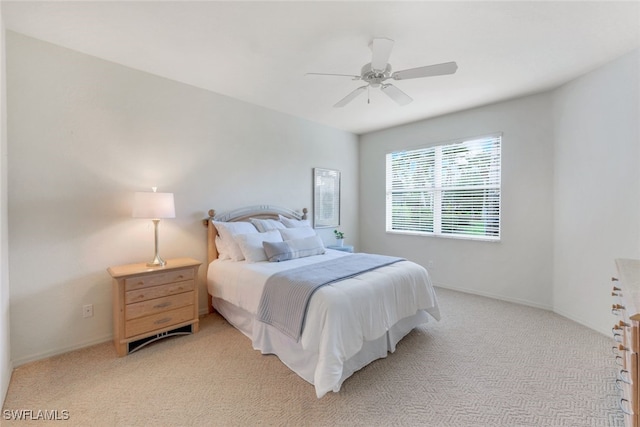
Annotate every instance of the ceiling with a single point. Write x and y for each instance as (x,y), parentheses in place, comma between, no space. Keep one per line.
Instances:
(259,52)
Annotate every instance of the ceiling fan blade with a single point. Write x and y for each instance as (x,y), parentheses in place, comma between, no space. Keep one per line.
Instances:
(339,75)
(396,94)
(381,49)
(428,71)
(347,99)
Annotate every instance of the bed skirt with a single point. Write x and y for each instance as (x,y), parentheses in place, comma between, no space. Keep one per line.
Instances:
(269,340)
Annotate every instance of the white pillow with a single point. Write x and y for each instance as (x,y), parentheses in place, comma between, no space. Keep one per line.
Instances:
(293,223)
(291,249)
(223,252)
(297,233)
(227,231)
(251,244)
(266,224)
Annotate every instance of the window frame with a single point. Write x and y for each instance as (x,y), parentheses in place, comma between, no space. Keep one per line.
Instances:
(438,192)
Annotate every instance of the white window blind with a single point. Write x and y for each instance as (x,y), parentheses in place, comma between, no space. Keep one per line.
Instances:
(446,190)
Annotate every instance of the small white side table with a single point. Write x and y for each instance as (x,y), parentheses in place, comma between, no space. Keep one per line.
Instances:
(343,248)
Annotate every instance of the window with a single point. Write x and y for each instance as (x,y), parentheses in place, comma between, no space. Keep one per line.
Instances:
(446,190)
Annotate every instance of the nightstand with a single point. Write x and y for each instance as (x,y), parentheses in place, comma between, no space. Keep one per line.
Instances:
(150,303)
(343,248)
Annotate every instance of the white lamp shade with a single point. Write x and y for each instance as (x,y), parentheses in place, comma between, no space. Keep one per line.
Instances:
(153,205)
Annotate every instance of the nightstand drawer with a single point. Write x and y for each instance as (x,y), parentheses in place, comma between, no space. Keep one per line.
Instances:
(158,305)
(152,292)
(158,321)
(132,283)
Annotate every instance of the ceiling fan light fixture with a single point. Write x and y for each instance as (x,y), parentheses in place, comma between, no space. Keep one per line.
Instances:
(378,70)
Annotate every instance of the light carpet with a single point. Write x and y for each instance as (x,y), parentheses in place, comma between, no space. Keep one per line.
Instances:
(486,363)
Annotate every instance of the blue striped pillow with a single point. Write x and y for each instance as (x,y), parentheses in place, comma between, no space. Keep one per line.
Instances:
(292,249)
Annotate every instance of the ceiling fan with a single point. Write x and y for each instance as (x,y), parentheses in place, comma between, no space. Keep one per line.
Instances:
(376,72)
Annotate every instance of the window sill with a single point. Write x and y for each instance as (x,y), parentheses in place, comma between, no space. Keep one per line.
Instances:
(446,236)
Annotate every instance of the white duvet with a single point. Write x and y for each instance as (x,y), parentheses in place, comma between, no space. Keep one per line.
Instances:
(341,319)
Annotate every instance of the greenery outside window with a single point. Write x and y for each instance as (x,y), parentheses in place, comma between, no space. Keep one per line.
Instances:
(448,190)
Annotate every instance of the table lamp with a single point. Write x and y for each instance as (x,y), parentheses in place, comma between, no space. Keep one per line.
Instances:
(154,206)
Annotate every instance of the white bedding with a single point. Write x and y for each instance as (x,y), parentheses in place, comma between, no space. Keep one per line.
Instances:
(348,324)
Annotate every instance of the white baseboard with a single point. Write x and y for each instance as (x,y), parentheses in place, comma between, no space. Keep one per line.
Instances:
(60,350)
(495,296)
(55,352)
(527,303)
(582,322)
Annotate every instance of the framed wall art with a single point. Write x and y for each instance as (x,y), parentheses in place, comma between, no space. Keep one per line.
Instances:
(326,198)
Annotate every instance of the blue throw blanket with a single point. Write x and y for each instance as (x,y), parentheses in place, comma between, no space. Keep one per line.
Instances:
(286,295)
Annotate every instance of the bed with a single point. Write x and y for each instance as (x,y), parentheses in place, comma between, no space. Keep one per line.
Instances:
(348,323)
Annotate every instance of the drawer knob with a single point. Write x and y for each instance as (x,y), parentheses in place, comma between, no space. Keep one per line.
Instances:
(622,348)
(614,279)
(163,320)
(616,289)
(624,376)
(622,404)
(623,324)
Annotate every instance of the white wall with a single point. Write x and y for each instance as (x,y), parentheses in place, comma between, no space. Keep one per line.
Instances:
(518,268)
(5,347)
(571,195)
(597,187)
(84,134)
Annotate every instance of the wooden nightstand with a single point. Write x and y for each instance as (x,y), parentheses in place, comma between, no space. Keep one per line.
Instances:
(150,303)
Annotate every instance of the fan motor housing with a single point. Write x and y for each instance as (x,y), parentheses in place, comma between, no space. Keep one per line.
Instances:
(374,77)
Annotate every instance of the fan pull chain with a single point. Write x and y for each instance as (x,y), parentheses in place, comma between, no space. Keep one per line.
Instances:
(368,94)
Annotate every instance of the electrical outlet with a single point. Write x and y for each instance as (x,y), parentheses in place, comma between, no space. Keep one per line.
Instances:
(87,310)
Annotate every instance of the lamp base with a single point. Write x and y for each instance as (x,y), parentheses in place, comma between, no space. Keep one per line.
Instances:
(157,262)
